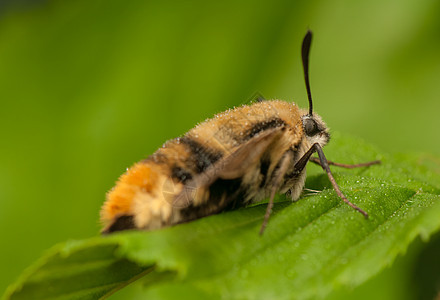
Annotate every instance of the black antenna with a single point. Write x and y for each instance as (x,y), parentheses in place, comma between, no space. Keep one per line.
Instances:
(305,50)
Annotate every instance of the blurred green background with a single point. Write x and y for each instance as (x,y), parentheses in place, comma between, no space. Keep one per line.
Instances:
(89,87)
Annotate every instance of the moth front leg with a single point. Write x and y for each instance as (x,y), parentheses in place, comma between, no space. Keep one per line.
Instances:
(299,166)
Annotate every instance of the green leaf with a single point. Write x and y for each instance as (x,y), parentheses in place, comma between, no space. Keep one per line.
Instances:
(310,247)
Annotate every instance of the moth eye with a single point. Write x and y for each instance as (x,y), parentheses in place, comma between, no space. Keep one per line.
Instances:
(310,127)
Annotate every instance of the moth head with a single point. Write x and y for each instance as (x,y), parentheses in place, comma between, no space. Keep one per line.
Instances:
(314,128)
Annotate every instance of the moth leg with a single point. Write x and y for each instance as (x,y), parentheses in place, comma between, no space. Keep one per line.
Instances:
(279,178)
(299,166)
(316,160)
(311,192)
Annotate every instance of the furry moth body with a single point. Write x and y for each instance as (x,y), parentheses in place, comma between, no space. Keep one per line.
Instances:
(240,156)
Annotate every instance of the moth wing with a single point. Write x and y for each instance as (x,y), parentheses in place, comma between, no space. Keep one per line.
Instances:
(232,166)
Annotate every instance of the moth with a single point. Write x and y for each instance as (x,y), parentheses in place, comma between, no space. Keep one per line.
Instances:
(240,156)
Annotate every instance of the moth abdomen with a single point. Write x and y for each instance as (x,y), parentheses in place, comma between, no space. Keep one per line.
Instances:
(201,155)
(181,174)
(223,194)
